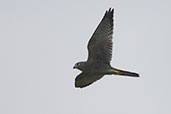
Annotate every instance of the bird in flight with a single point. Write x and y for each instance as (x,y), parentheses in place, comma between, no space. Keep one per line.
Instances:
(99,55)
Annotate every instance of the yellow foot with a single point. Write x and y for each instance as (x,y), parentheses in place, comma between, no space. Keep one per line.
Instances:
(116,72)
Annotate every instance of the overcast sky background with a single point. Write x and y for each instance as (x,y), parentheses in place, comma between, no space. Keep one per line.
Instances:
(41,40)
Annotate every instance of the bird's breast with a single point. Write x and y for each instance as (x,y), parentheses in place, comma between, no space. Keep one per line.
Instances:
(96,68)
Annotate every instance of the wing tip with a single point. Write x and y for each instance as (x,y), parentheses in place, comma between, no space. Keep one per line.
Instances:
(81,86)
(79,82)
(109,13)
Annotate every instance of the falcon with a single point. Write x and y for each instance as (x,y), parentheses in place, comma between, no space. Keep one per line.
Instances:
(99,55)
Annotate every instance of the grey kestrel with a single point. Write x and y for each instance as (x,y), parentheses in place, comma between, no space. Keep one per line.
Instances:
(99,55)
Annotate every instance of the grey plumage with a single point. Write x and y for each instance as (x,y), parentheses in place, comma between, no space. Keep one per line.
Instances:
(99,55)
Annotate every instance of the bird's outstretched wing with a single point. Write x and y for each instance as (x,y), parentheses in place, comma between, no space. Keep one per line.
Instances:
(85,79)
(100,44)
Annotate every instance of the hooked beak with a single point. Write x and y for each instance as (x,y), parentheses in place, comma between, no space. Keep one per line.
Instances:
(74,67)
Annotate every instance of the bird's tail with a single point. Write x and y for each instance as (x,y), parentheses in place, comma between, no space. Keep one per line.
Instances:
(124,73)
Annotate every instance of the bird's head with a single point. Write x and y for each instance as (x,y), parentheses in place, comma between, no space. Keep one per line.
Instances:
(79,65)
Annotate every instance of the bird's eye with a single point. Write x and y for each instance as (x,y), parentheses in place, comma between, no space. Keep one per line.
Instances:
(78,64)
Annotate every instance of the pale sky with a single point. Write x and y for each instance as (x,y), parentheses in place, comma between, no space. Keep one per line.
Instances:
(41,40)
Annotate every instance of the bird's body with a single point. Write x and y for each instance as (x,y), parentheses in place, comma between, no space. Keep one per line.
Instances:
(94,67)
(99,55)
